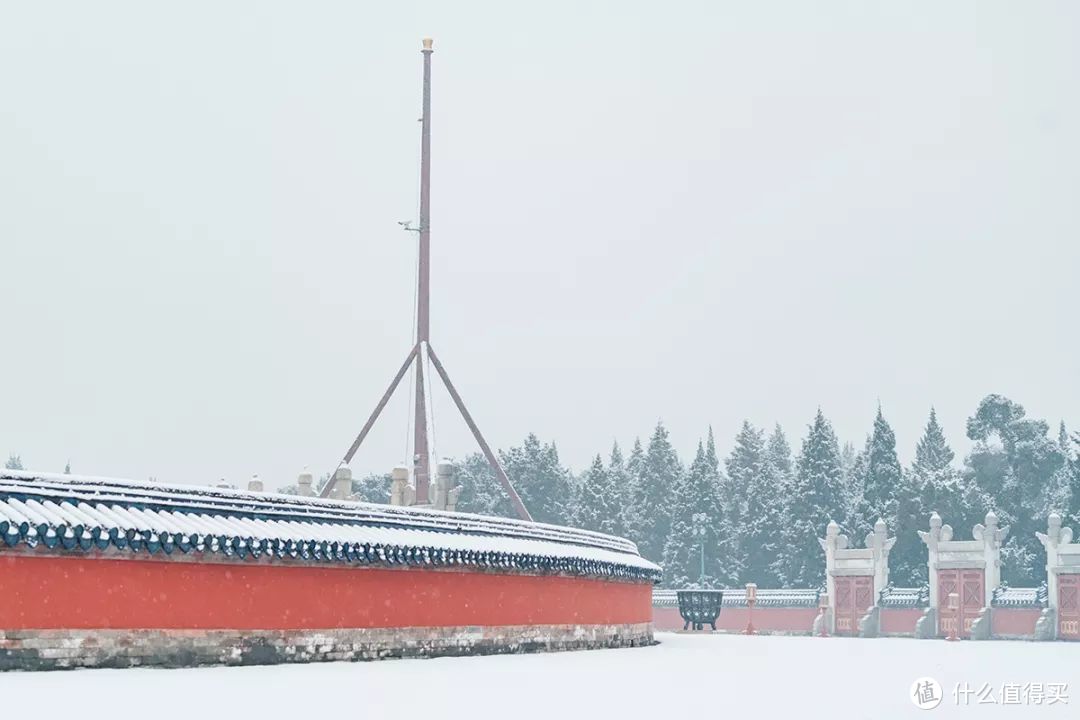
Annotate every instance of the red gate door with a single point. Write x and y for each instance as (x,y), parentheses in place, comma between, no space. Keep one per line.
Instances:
(969,585)
(1069,607)
(854,596)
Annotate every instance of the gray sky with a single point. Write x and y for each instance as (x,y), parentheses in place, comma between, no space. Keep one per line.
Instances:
(700,212)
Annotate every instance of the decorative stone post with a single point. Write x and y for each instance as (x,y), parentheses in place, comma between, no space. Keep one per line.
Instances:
(880,544)
(255,484)
(1062,563)
(992,538)
(927,625)
(444,478)
(446,493)
(832,542)
(303,484)
(342,484)
(401,493)
(854,579)
(452,499)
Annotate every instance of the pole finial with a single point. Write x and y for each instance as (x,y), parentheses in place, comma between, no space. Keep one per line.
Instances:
(427,44)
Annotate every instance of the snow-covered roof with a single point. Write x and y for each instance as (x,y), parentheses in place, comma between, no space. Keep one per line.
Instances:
(664,598)
(736,597)
(1019,597)
(894,597)
(74,513)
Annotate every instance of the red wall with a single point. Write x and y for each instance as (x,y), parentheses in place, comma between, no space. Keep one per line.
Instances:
(1014,622)
(792,620)
(80,593)
(900,621)
(666,618)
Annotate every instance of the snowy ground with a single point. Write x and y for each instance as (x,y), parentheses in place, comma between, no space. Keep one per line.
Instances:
(711,676)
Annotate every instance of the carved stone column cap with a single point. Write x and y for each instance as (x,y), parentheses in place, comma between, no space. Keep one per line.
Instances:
(935,520)
(400,473)
(1055,533)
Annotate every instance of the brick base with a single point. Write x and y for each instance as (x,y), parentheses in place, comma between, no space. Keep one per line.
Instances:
(62,649)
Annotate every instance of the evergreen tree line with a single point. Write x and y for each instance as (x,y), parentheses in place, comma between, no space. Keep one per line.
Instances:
(761,508)
(765,505)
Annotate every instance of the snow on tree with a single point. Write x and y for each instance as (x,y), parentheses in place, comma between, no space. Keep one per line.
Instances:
(373,488)
(543,484)
(1057,496)
(481,492)
(816,496)
(696,494)
(879,479)
(778,460)
(635,466)
(1013,463)
(766,513)
(854,471)
(598,500)
(848,453)
(711,457)
(942,488)
(883,490)
(746,498)
(14,462)
(649,514)
(1074,480)
(621,484)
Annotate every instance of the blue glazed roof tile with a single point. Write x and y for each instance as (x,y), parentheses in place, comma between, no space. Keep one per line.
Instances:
(74,513)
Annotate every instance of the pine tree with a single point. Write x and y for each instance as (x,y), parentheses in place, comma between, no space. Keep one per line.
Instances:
(1074,481)
(897,498)
(622,486)
(746,503)
(649,513)
(816,497)
(14,463)
(778,460)
(880,480)
(636,462)
(481,492)
(598,505)
(941,487)
(711,458)
(1058,494)
(682,556)
(543,484)
(932,454)
(777,482)
(848,457)
(853,487)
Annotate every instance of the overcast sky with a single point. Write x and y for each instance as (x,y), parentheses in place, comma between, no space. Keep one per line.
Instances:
(700,212)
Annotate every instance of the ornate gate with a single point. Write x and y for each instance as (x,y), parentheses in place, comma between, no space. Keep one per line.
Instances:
(1069,607)
(970,585)
(854,597)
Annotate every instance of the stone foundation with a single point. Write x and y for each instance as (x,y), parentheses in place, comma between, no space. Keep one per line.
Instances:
(63,649)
